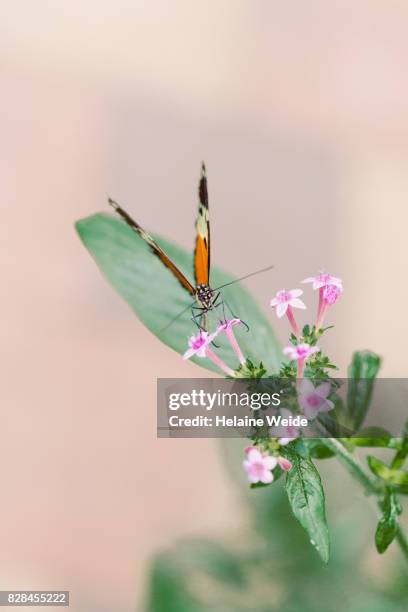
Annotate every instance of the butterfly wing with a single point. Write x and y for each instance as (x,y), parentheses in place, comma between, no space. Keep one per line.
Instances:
(184,282)
(202,245)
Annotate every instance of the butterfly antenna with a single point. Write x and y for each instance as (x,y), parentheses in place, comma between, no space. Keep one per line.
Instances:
(112,203)
(238,280)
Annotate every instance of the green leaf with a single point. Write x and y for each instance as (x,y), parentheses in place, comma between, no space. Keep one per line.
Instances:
(306,497)
(402,453)
(391,476)
(374,437)
(156,297)
(318,449)
(362,372)
(388,524)
(310,448)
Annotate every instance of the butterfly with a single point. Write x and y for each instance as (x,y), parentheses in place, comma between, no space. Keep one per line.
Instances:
(205,298)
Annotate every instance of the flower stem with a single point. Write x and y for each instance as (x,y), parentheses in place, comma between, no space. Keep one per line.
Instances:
(219,362)
(233,341)
(292,321)
(353,466)
(300,368)
(369,482)
(320,307)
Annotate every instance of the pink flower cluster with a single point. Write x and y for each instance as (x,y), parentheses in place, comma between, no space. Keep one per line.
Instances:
(313,400)
(199,345)
(330,288)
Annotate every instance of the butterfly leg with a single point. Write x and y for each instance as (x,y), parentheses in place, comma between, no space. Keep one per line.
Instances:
(222,305)
(199,317)
(234,316)
(219,304)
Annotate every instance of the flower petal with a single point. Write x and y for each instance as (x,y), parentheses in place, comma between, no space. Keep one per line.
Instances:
(318,284)
(295,293)
(285,464)
(285,441)
(296,303)
(281,309)
(306,386)
(189,353)
(266,477)
(270,462)
(323,390)
(254,455)
(253,478)
(310,412)
(290,351)
(326,406)
(336,281)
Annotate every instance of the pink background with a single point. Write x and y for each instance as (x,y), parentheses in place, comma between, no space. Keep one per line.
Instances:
(300,111)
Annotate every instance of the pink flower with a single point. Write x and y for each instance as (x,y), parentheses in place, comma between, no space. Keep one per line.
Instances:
(259,466)
(199,346)
(285,300)
(226,327)
(313,400)
(228,324)
(285,441)
(322,280)
(285,464)
(330,288)
(300,353)
(331,293)
(285,433)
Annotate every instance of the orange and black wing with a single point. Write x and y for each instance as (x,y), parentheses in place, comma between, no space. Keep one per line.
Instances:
(154,247)
(202,246)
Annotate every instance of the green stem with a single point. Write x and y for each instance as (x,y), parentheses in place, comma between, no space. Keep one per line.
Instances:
(369,482)
(354,466)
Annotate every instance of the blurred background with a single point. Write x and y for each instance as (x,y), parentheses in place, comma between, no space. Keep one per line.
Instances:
(300,112)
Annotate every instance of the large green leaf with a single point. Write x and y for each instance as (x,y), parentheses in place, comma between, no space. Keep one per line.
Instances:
(155,295)
(362,372)
(306,497)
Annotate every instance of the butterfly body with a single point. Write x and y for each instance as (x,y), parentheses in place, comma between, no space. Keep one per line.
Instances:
(205,296)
